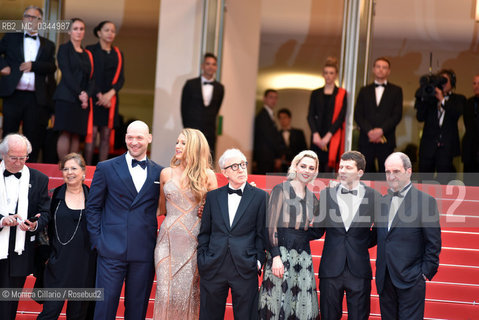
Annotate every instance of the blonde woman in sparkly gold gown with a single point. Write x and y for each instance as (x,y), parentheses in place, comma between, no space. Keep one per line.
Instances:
(183,187)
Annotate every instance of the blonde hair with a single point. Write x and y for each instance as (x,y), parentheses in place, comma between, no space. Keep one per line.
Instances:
(196,160)
(331,62)
(298,158)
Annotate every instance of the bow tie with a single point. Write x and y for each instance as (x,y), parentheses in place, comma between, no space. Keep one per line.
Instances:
(379,85)
(208,82)
(237,191)
(141,163)
(29,36)
(7,173)
(395,194)
(346,191)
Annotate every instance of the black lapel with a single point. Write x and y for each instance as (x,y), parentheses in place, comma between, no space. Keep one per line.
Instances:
(248,195)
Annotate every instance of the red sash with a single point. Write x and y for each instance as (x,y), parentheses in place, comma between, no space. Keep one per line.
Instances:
(111,115)
(89,130)
(337,140)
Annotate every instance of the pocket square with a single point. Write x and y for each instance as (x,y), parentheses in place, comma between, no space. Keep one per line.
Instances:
(156,182)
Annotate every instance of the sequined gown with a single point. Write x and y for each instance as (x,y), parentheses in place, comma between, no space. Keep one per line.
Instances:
(178,286)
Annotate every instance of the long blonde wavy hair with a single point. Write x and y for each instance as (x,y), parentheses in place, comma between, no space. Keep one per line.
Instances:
(196,160)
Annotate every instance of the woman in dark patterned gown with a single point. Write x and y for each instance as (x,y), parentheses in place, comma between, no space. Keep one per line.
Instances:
(288,290)
(183,187)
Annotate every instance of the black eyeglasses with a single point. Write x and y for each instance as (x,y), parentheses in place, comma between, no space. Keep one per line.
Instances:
(235,166)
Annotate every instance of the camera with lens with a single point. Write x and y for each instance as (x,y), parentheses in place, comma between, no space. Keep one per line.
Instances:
(427,86)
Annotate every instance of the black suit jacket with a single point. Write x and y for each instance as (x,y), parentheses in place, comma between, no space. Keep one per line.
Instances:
(244,239)
(268,142)
(368,115)
(350,247)
(470,141)
(297,143)
(411,248)
(12,55)
(75,76)
(448,134)
(194,113)
(38,202)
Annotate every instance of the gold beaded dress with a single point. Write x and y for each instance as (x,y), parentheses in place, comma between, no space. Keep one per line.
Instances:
(178,285)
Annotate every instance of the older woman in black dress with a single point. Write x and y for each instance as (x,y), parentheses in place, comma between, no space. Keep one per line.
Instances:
(109,79)
(73,92)
(71,263)
(288,290)
(327,111)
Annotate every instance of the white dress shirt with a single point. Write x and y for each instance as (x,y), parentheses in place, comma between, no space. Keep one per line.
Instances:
(137,173)
(30,51)
(349,204)
(396,203)
(207,90)
(12,185)
(233,203)
(379,92)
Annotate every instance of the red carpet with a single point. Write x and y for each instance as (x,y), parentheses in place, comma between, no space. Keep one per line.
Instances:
(454,291)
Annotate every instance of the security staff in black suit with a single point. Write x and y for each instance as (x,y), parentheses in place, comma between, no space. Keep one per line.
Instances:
(23,195)
(231,242)
(27,64)
(378,111)
(440,137)
(293,139)
(201,100)
(409,243)
(470,142)
(347,213)
(268,148)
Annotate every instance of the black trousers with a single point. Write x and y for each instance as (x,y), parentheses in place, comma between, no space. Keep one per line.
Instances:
(76,310)
(373,151)
(8,309)
(358,291)
(213,294)
(22,108)
(402,304)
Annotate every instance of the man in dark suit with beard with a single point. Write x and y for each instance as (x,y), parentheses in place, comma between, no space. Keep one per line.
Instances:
(201,100)
(23,195)
(231,242)
(27,64)
(409,243)
(347,213)
(378,111)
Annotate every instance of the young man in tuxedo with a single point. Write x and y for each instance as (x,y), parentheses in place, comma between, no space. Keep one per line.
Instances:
(293,138)
(121,221)
(27,65)
(23,195)
(348,212)
(201,100)
(231,242)
(409,243)
(269,148)
(378,111)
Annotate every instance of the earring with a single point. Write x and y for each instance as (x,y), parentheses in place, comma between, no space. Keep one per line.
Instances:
(84,177)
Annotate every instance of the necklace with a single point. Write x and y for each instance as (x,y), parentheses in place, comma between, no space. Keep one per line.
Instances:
(56,228)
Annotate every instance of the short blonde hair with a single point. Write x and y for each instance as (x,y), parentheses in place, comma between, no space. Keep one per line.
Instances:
(298,158)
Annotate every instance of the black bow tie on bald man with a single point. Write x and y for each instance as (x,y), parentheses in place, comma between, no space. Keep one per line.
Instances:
(141,163)
(237,191)
(380,85)
(7,173)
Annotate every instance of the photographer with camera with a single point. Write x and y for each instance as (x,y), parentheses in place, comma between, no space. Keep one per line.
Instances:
(439,108)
